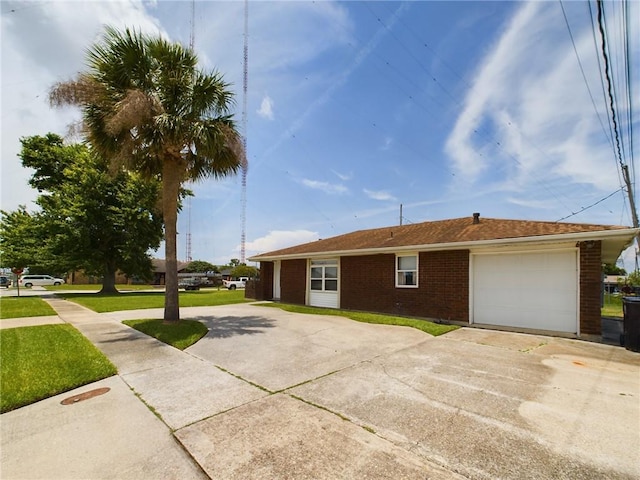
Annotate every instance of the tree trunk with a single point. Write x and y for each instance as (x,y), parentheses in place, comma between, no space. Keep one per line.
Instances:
(109,280)
(171,176)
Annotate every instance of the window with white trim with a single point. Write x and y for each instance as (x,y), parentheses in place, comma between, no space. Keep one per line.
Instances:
(324,275)
(407,271)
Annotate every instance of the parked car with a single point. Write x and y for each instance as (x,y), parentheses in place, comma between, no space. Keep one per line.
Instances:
(189,283)
(233,284)
(39,280)
(5,281)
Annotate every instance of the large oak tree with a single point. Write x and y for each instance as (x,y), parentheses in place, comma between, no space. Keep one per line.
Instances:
(89,218)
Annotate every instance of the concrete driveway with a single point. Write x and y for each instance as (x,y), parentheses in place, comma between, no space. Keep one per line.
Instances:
(482,404)
(269,394)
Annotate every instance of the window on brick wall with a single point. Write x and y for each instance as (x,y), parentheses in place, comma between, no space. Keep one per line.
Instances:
(406,271)
(324,275)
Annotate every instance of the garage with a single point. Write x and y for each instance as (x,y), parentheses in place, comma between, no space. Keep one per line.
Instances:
(536,290)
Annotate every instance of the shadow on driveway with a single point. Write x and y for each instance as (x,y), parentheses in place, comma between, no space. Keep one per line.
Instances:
(225,327)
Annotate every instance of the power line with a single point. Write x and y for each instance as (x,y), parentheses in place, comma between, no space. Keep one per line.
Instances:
(610,90)
(584,77)
(592,205)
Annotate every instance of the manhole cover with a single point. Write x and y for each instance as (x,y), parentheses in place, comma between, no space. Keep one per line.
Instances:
(85,396)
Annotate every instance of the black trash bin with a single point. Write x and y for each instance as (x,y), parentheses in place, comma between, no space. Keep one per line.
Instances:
(631,327)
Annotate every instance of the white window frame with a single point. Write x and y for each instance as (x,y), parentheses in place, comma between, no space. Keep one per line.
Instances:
(398,271)
(323,264)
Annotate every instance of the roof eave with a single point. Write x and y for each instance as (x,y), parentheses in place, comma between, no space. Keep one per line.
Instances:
(625,235)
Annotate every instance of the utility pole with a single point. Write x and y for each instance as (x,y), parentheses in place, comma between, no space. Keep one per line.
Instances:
(400,214)
(632,203)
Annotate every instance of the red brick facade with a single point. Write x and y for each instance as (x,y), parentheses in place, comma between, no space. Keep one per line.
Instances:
(293,281)
(261,289)
(367,283)
(590,287)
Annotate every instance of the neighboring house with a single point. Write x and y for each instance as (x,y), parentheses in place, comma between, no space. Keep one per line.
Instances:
(160,270)
(507,273)
(79,277)
(614,283)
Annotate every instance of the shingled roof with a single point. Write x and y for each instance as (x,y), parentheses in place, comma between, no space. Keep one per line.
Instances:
(461,231)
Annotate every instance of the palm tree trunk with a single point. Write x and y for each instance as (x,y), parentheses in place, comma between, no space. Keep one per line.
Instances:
(171,176)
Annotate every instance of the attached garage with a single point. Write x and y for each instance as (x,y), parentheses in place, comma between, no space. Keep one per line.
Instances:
(536,290)
(517,274)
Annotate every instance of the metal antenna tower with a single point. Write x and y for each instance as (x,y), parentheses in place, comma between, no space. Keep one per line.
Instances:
(245,165)
(191,44)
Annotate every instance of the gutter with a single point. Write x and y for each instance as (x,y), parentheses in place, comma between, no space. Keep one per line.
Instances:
(538,239)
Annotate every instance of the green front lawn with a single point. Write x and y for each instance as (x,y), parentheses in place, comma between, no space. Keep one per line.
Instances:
(612,306)
(135,301)
(39,362)
(431,328)
(181,335)
(97,288)
(18,307)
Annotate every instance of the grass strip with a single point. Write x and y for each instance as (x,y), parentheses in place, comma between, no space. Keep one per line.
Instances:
(39,362)
(140,300)
(97,287)
(612,306)
(426,326)
(180,335)
(19,307)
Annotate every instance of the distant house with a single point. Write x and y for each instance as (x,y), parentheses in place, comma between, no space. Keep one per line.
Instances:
(80,277)
(507,273)
(614,283)
(160,270)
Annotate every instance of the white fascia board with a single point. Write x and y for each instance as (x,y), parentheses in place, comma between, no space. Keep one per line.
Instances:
(630,233)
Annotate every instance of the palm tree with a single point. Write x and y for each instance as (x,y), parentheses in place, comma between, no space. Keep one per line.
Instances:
(148,108)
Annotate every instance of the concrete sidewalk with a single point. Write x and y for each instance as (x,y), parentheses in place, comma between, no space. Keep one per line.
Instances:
(272,394)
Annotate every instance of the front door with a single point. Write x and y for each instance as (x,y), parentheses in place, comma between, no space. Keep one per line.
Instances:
(324,283)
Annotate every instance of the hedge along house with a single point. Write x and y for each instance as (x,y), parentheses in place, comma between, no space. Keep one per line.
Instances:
(505,273)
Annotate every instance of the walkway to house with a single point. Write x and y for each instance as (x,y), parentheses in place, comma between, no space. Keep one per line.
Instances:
(272,394)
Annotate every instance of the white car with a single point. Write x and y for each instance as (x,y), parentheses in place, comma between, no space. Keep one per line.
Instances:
(31,280)
(233,284)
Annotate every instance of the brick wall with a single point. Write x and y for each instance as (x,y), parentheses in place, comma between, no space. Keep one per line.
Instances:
(293,281)
(590,281)
(368,283)
(262,288)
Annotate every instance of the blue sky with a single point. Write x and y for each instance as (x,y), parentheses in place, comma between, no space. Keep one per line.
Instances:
(354,108)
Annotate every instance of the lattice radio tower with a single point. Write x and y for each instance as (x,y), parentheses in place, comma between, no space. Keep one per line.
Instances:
(245,165)
(191,46)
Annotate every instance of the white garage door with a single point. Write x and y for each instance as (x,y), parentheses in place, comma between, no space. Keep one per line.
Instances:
(531,290)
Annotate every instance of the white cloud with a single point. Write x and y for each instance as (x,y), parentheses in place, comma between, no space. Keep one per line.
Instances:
(266,108)
(340,80)
(53,50)
(388,141)
(326,187)
(342,176)
(379,195)
(528,116)
(277,239)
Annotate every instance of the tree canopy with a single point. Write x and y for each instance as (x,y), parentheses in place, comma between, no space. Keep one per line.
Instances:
(146,106)
(611,269)
(89,218)
(200,266)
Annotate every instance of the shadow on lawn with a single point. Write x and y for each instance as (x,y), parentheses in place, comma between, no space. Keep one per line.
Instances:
(225,327)
(128,293)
